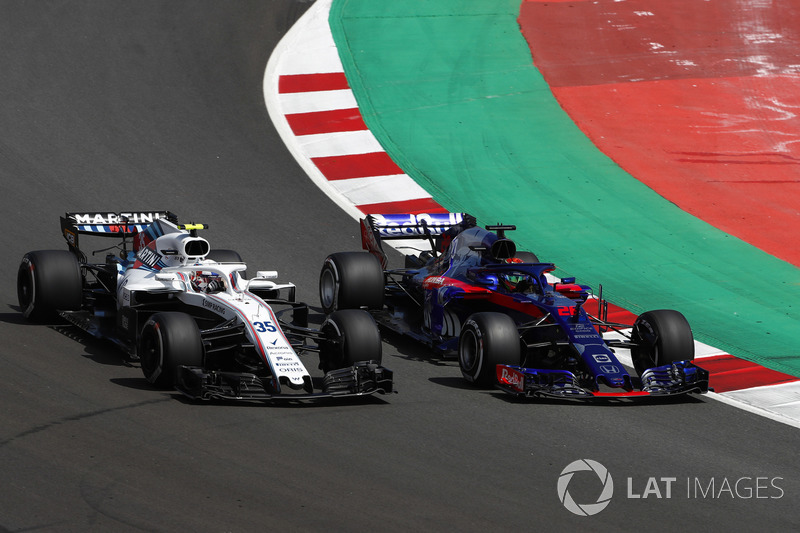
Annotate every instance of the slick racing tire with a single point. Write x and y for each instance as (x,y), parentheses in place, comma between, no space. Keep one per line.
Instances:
(226,256)
(351,280)
(660,338)
(527,257)
(49,281)
(487,340)
(169,340)
(350,335)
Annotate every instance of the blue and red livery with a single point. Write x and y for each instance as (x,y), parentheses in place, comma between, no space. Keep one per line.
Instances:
(466,290)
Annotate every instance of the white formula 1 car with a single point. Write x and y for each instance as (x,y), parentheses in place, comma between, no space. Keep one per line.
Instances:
(192,319)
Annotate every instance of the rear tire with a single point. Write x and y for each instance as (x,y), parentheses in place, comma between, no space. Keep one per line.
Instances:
(527,257)
(224,256)
(351,335)
(660,338)
(487,340)
(169,340)
(49,281)
(351,280)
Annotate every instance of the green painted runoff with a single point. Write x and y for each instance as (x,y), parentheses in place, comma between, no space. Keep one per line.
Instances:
(450,90)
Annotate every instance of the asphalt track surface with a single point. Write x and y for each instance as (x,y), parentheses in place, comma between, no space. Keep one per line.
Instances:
(118,105)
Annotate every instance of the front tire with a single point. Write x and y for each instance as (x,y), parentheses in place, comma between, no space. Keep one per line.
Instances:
(351,280)
(660,338)
(487,340)
(49,281)
(169,340)
(351,335)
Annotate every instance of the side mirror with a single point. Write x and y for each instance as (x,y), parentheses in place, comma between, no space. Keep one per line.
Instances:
(260,281)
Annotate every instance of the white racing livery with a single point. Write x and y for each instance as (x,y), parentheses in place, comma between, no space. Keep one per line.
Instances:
(192,318)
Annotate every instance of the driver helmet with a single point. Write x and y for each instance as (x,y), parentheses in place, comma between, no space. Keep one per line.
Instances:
(207,282)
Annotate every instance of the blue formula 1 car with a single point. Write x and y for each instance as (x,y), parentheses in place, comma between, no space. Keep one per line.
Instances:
(471,293)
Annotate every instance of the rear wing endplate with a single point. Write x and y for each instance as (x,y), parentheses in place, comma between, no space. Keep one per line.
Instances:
(427,226)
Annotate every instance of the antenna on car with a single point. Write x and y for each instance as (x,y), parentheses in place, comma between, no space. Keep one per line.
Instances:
(124,220)
(602,306)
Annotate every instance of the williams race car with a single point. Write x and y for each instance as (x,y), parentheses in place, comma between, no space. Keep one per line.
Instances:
(192,319)
(510,322)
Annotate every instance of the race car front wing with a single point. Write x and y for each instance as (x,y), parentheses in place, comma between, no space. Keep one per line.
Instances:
(363,378)
(681,377)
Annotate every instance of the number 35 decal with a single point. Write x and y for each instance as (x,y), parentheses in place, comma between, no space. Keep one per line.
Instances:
(265,326)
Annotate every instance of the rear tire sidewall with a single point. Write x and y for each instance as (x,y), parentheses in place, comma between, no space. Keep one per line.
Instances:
(527,257)
(351,280)
(661,337)
(167,341)
(49,281)
(487,340)
(226,256)
(351,336)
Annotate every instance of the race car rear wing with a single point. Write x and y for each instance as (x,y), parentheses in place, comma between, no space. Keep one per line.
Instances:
(109,224)
(432,227)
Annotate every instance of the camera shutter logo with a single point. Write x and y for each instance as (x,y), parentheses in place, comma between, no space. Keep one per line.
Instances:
(585,509)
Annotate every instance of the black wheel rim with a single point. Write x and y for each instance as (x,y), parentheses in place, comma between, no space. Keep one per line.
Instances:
(149,353)
(647,350)
(25,288)
(327,288)
(468,351)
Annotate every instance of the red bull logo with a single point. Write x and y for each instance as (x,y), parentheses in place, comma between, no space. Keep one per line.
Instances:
(511,377)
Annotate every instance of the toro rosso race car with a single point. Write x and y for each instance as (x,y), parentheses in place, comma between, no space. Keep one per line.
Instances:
(510,322)
(192,319)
